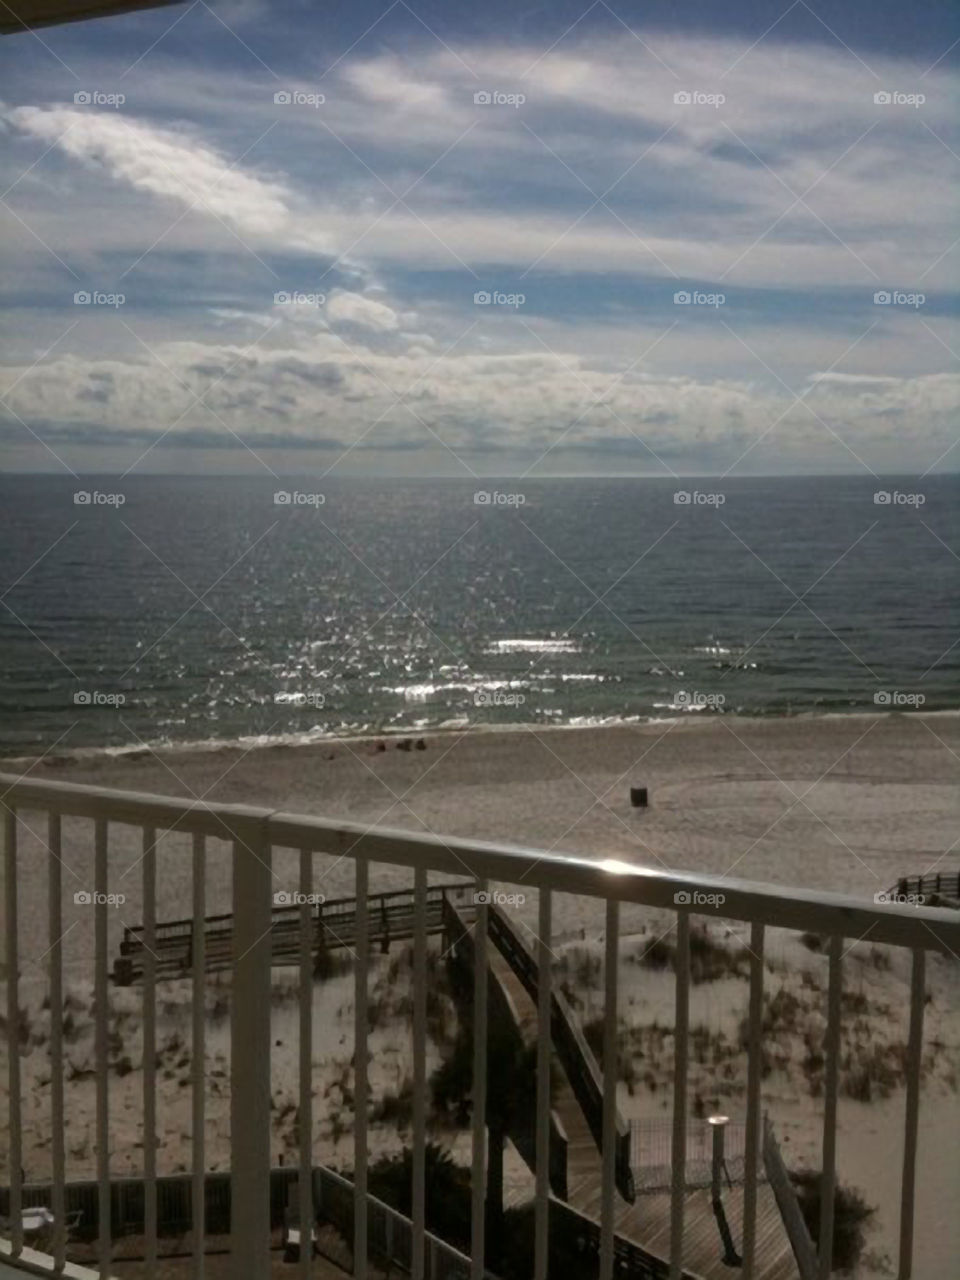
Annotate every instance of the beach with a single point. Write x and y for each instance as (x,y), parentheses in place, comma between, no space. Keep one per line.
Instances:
(834,803)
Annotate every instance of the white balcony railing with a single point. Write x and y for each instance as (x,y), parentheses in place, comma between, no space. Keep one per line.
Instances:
(254,834)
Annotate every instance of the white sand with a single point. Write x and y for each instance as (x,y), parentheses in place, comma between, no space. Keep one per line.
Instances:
(836,803)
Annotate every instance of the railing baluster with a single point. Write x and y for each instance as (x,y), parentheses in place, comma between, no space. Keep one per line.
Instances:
(610,1073)
(55,957)
(754,1075)
(418,1191)
(679,1153)
(361,1084)
(828,1178)
(544,993)
(13,1029)
(478,1173)
(250,1052)
(914,1063)
(101,1032)
(149,1008)
(305,1181)
(198,1053)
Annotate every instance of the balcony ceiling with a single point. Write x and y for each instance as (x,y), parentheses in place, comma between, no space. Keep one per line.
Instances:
(20,15)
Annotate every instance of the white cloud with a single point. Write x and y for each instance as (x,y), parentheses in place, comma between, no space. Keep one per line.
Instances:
(163,162)
(344,307)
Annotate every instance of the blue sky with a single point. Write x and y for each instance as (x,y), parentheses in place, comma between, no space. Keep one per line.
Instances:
(714,239)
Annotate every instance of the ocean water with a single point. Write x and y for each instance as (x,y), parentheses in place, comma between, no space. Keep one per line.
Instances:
(201,609)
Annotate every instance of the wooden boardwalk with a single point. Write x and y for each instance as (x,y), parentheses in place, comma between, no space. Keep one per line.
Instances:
(646,1222)
(391,918)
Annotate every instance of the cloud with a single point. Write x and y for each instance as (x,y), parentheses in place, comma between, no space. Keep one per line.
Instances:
(162,162)
(366,313)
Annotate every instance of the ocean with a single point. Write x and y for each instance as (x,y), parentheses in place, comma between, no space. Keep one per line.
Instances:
(158,609)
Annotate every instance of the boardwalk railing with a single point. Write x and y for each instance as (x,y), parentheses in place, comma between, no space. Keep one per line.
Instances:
(804,1250)
(44,821)
(391,918)
(928,888)
(576,1056)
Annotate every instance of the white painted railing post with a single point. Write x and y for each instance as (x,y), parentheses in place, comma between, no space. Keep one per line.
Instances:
(544,1045)
(361,1084)
(478,1170)
(13,1027)
(914,1068)
(418,1190)
(828,1176)
(250,1052)
(610,1073)
(754,1076)
(678,1180)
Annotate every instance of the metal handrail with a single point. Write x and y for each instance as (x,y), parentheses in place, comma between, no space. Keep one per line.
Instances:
(834,914)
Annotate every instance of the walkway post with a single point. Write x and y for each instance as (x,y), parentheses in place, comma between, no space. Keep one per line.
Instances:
(250,1051)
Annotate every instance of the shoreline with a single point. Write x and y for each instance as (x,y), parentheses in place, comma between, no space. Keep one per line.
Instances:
(247,743)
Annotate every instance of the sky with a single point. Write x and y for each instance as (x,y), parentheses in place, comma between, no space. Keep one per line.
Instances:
(461,240)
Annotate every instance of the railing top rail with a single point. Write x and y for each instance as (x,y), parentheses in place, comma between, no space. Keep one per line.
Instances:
(926,928)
